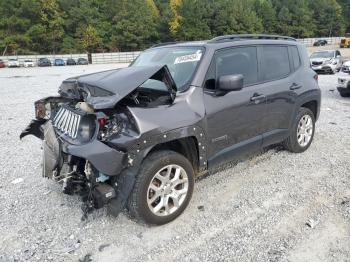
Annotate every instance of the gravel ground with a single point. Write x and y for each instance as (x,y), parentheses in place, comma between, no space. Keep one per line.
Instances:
(275,206)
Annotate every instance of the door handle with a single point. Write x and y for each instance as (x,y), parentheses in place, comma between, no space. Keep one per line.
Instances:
(257,97)
(294,86)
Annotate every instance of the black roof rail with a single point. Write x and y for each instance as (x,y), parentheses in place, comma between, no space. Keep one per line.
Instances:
(249,36)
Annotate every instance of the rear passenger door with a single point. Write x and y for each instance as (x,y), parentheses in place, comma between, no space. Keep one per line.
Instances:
(276,71)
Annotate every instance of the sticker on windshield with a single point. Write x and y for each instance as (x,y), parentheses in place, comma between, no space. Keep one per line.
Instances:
(189,58)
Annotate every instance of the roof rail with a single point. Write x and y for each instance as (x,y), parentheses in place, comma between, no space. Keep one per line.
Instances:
(250,36)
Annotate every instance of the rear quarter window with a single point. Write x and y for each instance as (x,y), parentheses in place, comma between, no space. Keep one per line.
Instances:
(274,62)
(295,57)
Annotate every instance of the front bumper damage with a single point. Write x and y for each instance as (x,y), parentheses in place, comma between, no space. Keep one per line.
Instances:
(84,165)
(104,158)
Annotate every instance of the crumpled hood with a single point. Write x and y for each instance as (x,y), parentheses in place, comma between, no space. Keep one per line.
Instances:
(105,89)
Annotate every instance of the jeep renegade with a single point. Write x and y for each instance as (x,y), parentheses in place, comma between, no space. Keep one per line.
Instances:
(137,137)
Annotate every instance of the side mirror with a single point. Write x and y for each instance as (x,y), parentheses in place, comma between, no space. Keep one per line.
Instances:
(230,83)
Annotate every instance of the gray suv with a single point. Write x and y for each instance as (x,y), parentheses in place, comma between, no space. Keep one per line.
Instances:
(138,137)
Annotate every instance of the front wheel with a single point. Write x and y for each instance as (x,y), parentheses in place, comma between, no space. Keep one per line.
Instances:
(163,188)
(302,132)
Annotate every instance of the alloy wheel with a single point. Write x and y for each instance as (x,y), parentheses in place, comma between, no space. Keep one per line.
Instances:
(167,190)
(305,130)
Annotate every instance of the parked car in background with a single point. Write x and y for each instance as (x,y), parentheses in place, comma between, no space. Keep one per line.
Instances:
(326,61)
(82,61)
(321,42)
(346,67)
(2,63)
(138,136)
(28,63)
(344,85)
(13,63)
(44,62)
(59,62)
(71,61)
(345,42)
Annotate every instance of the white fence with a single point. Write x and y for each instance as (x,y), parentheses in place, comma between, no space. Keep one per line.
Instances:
(311,41)
(106,58)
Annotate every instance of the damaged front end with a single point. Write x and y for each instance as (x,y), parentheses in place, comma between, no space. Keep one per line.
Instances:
(78,127)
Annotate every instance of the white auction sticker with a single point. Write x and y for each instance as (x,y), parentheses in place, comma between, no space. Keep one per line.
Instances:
(188,58)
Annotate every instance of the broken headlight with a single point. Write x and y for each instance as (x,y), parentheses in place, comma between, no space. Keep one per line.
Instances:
(110,127)
(86,128)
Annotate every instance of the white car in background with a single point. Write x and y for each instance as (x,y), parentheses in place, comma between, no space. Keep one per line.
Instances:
(13,63)
(346,67)
(326,61)
(344,85)
(28,63)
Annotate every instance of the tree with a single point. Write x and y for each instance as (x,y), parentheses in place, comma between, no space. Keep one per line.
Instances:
(134,25)
(188,20)
(345,4)
(267,14)
(42,26)
(328,18)
(52,19)
(295,18)
(89,39)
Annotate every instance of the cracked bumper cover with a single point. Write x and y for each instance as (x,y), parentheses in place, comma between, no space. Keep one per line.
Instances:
(104,158)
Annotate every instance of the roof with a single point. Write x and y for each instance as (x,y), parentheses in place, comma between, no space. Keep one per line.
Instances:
(229,40)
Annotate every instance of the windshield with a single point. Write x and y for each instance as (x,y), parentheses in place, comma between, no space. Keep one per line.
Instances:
(323,54)
(181,61)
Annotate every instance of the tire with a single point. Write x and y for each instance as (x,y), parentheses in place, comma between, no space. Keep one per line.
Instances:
(152,184)
(291,143)
(343,94)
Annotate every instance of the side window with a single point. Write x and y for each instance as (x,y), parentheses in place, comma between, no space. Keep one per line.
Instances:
(274,62)
(240,60)
(338,53)
(295,57)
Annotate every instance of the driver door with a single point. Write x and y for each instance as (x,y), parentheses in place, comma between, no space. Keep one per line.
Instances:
(235,119)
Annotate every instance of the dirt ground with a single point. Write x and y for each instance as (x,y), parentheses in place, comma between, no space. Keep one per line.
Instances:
(275,206)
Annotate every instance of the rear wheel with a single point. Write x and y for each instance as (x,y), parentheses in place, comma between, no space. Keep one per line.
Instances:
(302,132)
(163,188)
